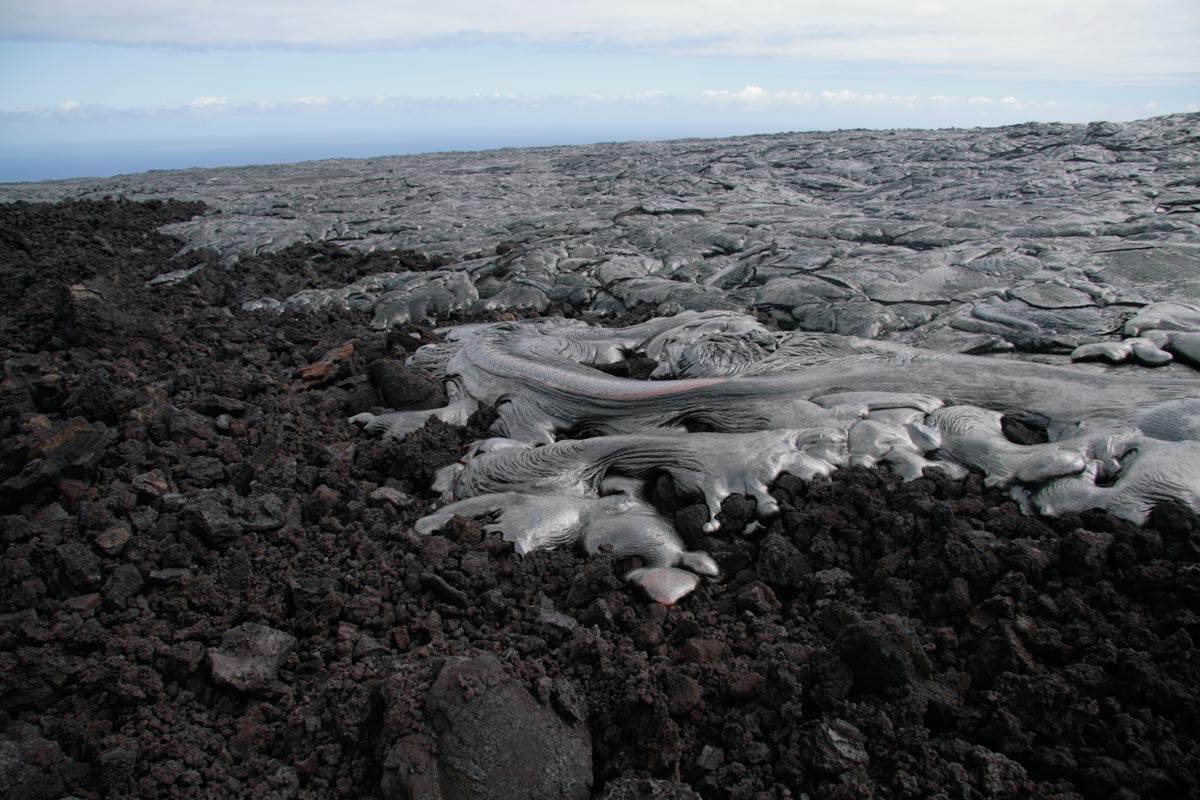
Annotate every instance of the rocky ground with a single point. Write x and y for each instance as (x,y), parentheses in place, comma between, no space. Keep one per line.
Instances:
(210,586)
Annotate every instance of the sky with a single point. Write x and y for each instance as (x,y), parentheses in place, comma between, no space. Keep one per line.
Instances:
(103,88)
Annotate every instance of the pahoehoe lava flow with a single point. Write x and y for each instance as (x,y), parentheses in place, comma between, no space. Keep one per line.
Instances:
(809,404)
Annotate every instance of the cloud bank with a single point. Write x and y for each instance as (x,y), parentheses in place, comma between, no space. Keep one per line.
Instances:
(749,97)
(1067,39)
(758,97)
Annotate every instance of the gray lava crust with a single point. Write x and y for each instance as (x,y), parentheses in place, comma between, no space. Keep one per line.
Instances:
(1028,240)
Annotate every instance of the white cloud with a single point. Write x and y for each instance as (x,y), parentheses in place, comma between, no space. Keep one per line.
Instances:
(847,97)
(208,101)
(1114,39)
(756,96)
(952,101)
(750,94)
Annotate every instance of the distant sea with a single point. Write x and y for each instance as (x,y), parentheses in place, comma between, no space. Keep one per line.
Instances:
(50,161)
(41,162)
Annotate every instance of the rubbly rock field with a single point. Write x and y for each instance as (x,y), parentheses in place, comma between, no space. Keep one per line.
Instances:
(211,583)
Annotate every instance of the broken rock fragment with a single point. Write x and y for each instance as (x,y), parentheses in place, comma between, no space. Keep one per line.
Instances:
(249,656)
(835,746)
(213,522)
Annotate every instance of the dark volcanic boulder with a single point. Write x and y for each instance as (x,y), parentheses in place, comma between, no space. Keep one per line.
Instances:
(403,389)
(93,315)
(32,766)
(883,654)
(493,740)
